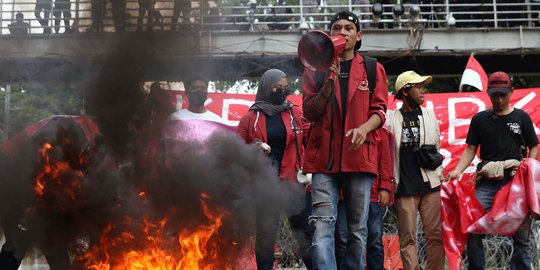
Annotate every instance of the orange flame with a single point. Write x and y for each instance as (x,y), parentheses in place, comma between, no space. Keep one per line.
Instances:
(54,174)
(154,248)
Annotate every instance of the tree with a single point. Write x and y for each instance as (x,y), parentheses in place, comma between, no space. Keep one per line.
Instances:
(31,102)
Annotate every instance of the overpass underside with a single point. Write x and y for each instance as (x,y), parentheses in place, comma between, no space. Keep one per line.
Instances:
(230,55)
(230,42)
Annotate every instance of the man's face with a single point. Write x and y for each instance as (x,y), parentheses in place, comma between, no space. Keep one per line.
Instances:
(197,93)
(500,101)
(198,85)
(348,30)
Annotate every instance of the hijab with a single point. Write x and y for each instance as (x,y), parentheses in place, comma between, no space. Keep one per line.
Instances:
(263,100)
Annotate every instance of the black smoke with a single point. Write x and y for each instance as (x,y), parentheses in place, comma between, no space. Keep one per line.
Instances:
(83,192)
(114,97)
(234,176)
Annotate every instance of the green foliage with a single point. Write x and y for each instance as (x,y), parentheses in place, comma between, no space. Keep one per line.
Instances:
(443,85)
(30,103)
(250,86)
(525,81)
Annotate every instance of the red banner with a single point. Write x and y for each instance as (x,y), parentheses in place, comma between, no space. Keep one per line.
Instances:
(454,112)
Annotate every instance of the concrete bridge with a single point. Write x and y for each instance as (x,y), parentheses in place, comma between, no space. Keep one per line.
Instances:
(233,55)
(238,43)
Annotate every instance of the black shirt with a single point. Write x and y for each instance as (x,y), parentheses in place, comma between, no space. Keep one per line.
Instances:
(277,137)
(411,182)
(344,70)
(499,136)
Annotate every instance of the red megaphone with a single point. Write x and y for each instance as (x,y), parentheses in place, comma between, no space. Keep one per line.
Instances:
(317,50)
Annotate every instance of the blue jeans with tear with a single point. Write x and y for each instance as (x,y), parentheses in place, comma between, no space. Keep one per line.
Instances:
(325,193)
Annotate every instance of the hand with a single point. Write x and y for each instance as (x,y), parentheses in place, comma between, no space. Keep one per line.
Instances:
(303,178)
(264,147)
(451,175)
(384,198)
(333,71)
(358,136)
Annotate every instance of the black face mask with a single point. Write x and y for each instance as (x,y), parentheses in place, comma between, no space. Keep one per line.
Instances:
(278,97)
(197,98)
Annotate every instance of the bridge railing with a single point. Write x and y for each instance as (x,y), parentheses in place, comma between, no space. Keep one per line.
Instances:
(125,15)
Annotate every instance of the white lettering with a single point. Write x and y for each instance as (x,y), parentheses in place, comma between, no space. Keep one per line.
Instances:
(227,102)
(454,122)
(523,101)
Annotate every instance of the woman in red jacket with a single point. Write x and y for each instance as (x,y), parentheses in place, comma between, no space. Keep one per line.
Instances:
(275,125)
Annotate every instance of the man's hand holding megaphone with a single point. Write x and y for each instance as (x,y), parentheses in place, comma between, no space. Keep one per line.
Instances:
(333,70)
(331,76)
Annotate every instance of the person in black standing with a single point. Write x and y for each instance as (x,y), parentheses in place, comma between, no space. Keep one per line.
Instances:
(62,8)
(119,15)
(146,7)
(98,13)
(278,18)
(501,133)
(45,6)
(184,7)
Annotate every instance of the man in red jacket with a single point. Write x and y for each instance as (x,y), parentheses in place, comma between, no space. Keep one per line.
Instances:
(342,150)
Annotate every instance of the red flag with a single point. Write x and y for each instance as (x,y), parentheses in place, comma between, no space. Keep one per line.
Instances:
(463,214)
(474,75)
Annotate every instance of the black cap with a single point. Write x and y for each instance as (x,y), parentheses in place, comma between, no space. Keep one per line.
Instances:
(349,16)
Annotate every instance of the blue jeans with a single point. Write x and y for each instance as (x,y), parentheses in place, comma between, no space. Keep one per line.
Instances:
(325,192)
(375,249)
(340,235)
(521,256)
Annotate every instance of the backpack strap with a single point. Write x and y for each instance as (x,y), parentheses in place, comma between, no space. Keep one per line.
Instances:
(371,70)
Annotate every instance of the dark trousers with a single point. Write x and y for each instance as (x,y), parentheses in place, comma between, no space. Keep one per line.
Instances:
(62,9)
(98,13)
(18,243)
(118,12)
(374,247)
(44,6)
(267,223)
